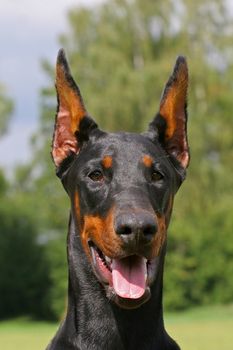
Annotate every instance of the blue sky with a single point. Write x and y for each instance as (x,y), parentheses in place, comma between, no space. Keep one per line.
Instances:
(28,32)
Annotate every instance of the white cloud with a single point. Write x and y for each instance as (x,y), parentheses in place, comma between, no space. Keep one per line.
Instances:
(40,11)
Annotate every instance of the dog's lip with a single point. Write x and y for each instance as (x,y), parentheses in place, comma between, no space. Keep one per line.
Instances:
(102,266)
(130,304)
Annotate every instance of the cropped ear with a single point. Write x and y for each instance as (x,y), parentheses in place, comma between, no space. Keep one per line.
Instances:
(170,124)
(72,123)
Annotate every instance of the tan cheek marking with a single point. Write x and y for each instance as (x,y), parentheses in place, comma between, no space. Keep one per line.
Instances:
(169,210)
(77,204)
(79,219)
(101,231)
(147,161)
(107,162)
(160,236)
(92,224)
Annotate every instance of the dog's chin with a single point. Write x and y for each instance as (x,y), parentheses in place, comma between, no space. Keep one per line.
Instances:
(127,303)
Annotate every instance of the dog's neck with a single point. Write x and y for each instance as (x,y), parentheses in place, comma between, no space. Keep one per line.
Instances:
(92,319)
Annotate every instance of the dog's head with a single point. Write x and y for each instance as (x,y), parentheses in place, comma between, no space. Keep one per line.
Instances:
(122,185)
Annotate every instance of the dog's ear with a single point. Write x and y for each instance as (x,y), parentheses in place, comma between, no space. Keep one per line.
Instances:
(72,124)
(169,125)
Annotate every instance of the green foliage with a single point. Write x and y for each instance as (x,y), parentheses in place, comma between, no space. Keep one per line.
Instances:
(6,107)
(56,253)
(3,183)
(121,54)
(24,279)
(199,260)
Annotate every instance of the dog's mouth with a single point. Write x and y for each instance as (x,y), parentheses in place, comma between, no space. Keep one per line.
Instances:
(127,279)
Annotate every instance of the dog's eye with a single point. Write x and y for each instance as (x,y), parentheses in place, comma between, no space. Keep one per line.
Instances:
(96,175)
(156,176)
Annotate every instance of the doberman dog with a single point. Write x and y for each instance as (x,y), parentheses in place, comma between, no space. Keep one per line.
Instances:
(121,186)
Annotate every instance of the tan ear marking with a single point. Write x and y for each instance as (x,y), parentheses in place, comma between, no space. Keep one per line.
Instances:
(70,112)
(173,103)
(173,111)
(69,94)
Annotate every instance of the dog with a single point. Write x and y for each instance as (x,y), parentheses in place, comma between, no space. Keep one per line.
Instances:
(121,186)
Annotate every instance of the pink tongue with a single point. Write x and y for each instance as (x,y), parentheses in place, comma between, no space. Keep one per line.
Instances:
(129,276)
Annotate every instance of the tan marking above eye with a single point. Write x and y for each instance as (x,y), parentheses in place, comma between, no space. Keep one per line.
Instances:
(107,162)
(147,161)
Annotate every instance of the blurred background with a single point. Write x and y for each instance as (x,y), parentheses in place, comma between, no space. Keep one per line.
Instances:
(121,53)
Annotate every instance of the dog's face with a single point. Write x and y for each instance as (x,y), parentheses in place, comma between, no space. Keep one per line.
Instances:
(122,185)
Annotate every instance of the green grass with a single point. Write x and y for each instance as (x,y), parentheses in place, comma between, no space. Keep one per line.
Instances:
(207,328)
(23,334)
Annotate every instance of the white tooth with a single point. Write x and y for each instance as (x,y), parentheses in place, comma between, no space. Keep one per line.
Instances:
(145,260)
(93,255)
(108,259)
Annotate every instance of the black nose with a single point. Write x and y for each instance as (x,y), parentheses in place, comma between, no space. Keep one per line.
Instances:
(135,224)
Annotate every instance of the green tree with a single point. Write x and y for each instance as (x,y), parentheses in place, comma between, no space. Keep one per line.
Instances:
(6,107)
(24,279)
